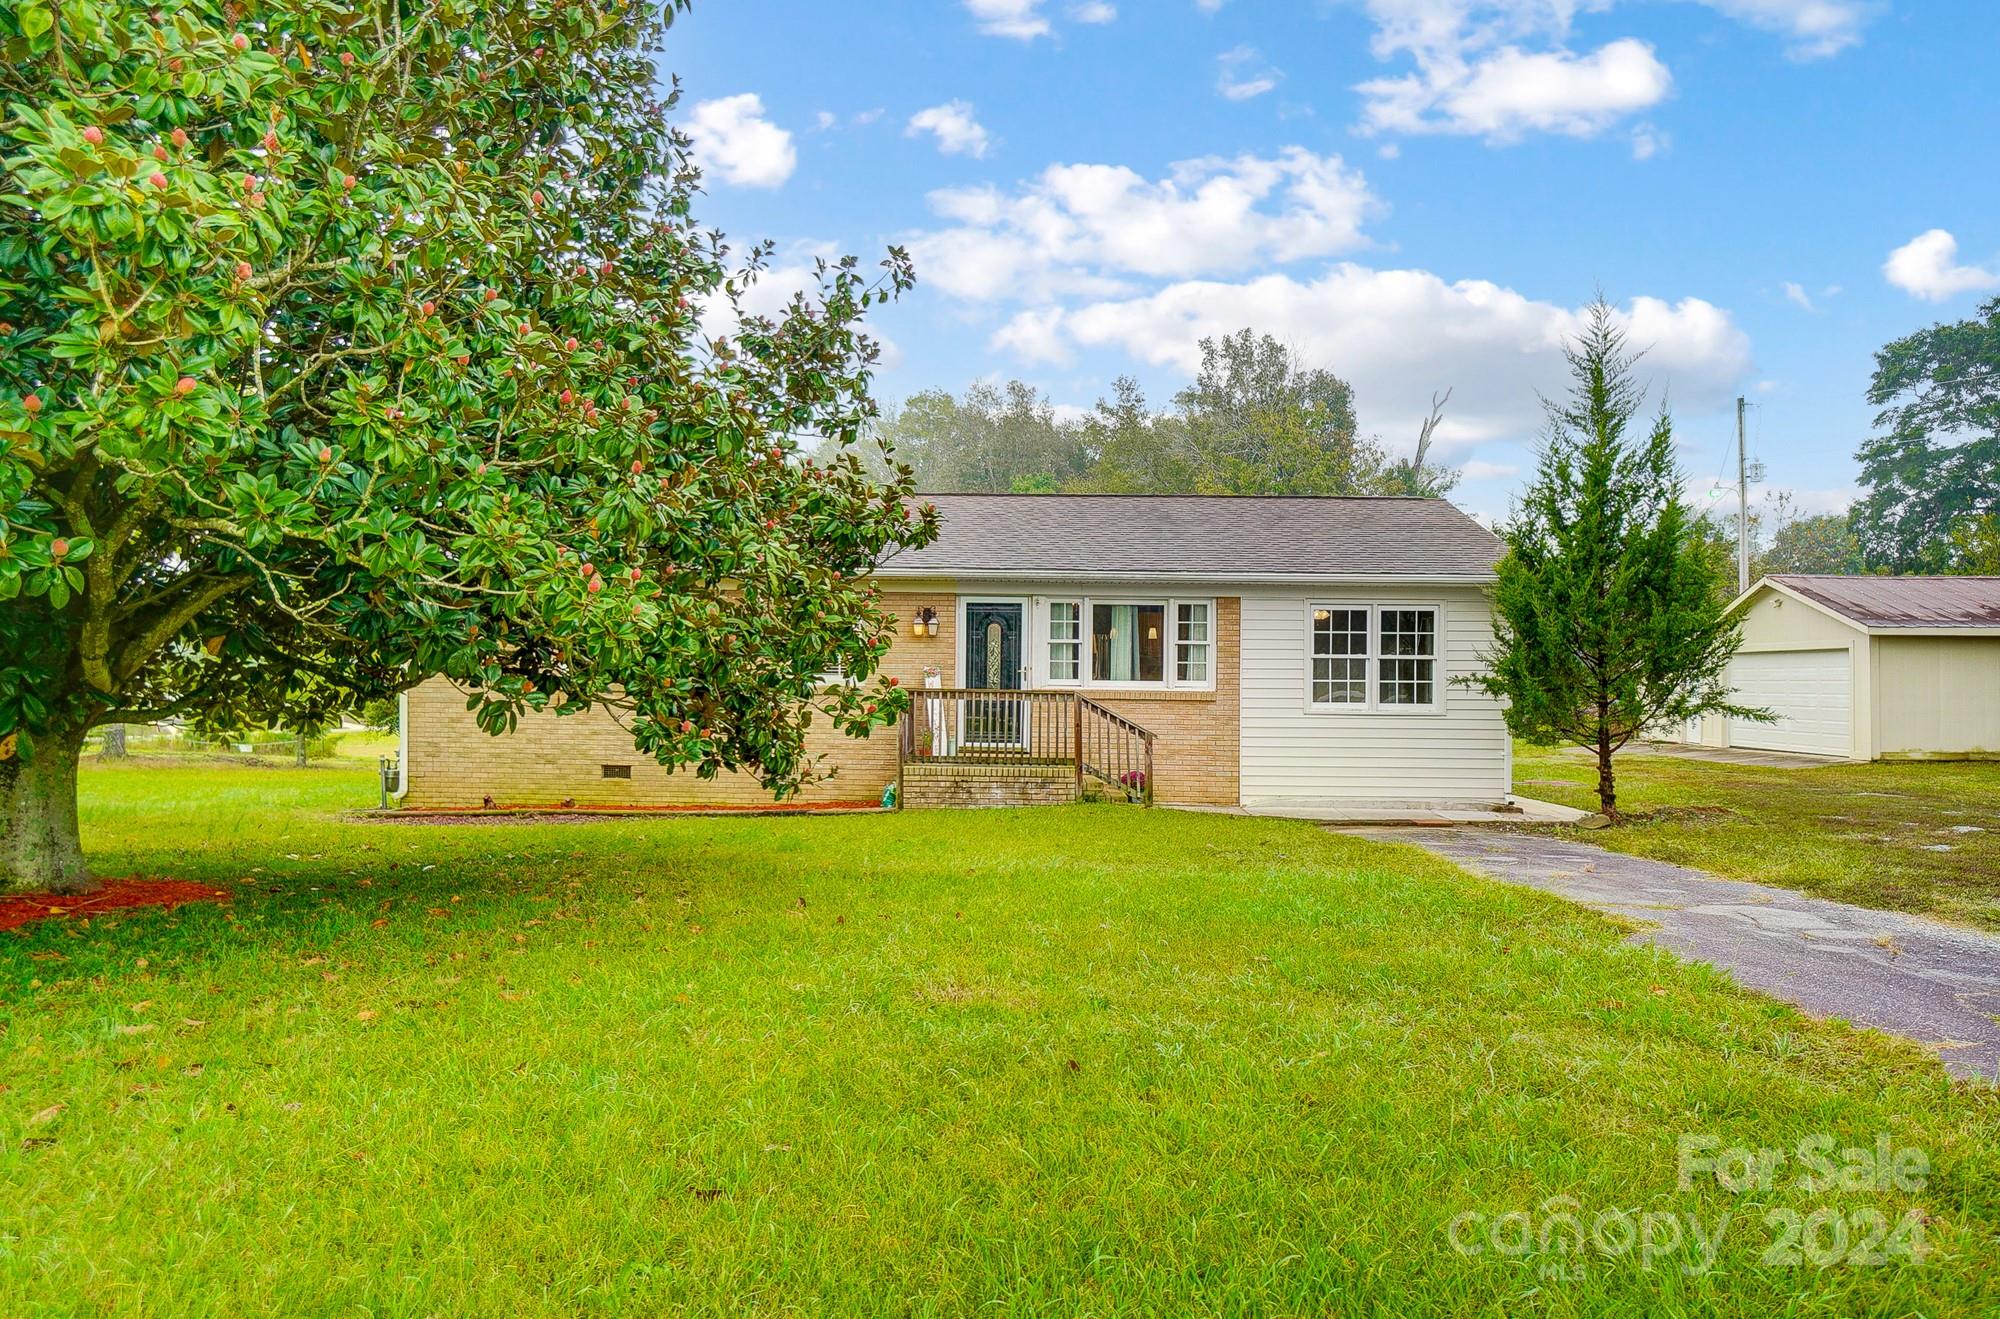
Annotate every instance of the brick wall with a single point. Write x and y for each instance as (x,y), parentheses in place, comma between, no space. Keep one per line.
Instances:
(549,759)
(1196,751)
(930,787)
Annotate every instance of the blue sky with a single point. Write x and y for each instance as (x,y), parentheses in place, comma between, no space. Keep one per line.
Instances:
(1418,194)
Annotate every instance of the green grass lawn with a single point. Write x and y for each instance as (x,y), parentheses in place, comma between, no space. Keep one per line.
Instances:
(1078,1060)
(1920,837)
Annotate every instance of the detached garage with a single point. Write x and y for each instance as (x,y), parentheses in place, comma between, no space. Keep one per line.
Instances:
(1868,668)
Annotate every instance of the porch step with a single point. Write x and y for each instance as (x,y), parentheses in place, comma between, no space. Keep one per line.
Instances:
(957,787)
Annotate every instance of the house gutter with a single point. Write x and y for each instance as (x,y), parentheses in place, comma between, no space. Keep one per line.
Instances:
(1206,579)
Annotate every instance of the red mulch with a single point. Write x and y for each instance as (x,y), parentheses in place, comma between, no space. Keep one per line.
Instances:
(580,814)
(18,909)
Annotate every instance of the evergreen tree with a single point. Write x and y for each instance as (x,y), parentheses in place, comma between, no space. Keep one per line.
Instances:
(1610,613)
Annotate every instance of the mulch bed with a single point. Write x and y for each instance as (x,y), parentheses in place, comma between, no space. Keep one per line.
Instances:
(18,909)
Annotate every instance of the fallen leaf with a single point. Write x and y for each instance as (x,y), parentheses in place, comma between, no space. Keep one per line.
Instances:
(135,1030)
(49,1114)
(366,1014)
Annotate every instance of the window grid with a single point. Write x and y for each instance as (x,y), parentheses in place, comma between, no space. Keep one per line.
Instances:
(1409,657)
(1395,646)
(1065,641)
(1340,656)
(1191,643)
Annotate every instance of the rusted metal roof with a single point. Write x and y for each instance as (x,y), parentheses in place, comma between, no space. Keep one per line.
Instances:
(1903,601)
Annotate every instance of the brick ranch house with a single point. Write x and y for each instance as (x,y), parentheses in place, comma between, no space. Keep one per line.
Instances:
(1281,651)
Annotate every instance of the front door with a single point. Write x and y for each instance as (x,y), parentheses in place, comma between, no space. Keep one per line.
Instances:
(993,637)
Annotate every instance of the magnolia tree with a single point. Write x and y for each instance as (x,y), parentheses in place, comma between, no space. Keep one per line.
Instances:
(343,345)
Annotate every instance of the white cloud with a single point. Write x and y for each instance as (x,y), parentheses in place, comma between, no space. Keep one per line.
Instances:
(1209,6)
(1094,11)
(1502,68)
(957,132)
(1481,470)
(1648,141)
(732,138)
(1084,228)
(1398,335)
(1022,20)
(1510,92)
(1816,28)
(1242,74)
(1795,293)
(825,120)
(1927,267)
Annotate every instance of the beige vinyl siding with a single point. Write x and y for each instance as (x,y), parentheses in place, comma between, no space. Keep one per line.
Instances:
(1293,754)
(1774,623)
(1937,696)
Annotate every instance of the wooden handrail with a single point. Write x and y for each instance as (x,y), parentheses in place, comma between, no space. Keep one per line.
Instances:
(990,732)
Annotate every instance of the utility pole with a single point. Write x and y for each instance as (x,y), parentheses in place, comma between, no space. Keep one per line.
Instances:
(1742,505)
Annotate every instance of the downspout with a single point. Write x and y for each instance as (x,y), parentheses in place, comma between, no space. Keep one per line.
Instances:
(402,746)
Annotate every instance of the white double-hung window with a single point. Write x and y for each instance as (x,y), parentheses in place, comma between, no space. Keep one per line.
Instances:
(1191,642)
(1374,657)
(1129,643)
(1065,641)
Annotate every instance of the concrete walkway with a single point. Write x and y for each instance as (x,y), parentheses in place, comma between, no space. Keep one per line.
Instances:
(1933,983)
(1732,756)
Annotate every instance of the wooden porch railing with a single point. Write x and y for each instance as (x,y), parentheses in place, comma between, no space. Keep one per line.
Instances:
(994,734)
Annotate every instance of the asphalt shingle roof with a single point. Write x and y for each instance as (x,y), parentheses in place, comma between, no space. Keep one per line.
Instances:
(1904,601)
(1208,536)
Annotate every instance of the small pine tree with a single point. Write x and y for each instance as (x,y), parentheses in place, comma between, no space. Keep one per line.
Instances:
(1611,616)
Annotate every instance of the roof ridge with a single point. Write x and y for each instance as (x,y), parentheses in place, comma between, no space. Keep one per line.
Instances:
(1140,494)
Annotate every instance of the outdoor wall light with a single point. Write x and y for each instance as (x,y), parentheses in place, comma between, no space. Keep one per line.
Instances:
(924,623)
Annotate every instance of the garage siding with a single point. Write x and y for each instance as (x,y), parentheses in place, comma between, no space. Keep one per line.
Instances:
(1295,755)
(1938,696)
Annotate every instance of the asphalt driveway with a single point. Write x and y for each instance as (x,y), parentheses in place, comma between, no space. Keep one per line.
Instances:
(1930,982)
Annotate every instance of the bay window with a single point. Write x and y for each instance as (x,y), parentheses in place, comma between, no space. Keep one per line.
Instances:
(1373,657)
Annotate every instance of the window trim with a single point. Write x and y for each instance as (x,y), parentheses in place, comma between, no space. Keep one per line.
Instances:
(1085,603)
(1374,705)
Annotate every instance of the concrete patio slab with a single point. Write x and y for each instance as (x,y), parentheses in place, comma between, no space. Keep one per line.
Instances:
(1930,982)
(1530,812)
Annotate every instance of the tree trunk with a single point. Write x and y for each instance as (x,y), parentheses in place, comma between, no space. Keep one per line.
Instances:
(39,846)
(1607,788)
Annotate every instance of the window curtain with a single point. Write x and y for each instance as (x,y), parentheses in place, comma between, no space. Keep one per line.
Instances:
(1124,643)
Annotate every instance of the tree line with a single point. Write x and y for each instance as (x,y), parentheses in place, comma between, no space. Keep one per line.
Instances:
(1255,421)
(1930,476)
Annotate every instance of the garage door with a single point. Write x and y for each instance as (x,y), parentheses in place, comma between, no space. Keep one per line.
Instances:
(1811,692)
